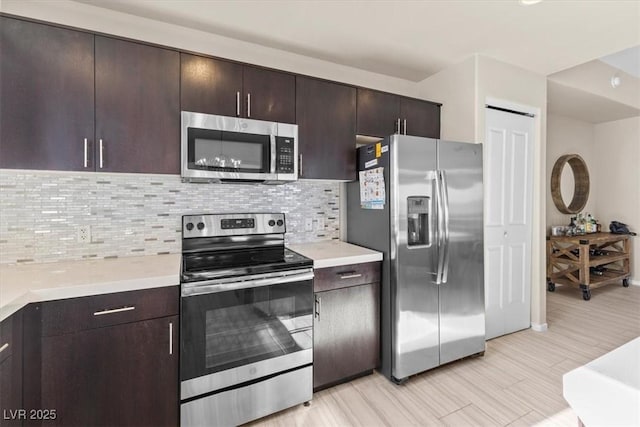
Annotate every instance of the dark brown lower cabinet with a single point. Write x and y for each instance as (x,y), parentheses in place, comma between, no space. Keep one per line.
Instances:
(346,330)
(105,360)
(123,375)
(11,371)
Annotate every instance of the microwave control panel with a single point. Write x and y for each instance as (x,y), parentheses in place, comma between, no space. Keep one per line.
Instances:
(285,154)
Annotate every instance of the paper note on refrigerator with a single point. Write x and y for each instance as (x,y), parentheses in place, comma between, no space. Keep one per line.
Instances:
(372,194)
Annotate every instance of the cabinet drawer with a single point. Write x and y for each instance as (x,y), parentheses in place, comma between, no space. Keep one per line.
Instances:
(71,315)
(344,276)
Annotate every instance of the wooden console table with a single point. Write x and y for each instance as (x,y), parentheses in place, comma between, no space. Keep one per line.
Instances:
(571,258)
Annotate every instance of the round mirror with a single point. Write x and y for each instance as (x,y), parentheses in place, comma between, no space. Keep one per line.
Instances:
(570,184)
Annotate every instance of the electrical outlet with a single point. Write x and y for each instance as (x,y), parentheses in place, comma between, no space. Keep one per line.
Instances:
(308,224)
(84,234)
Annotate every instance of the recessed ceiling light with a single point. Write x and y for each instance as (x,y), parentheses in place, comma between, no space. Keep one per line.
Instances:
(615,81)
(529,2)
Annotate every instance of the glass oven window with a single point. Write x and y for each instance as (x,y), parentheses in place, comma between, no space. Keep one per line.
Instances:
(229,329)
(228,151)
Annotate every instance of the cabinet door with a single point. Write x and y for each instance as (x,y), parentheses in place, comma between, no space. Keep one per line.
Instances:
(11,370)
(210,85)
(378,113)
(346,333)
(269,95)
(137,107)
(422,118)
(326,114)
(121,375)
(46,82)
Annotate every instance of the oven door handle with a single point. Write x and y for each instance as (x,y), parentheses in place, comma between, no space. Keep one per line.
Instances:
(215,286)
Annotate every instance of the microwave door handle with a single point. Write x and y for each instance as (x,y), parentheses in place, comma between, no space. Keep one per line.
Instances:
(272,166)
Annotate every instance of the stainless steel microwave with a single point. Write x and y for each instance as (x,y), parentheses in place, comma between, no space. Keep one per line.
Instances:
(232,149)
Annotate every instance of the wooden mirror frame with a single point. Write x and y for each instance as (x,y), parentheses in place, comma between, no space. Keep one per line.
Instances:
(580,178)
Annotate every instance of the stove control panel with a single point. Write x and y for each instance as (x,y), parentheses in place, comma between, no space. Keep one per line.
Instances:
(218,225)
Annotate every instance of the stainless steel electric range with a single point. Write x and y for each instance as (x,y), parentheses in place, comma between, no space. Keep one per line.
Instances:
(246,320)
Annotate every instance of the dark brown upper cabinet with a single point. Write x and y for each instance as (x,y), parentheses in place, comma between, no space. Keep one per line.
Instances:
(210,85)
(326,114)
(381,114)
(420,118)
(46,82)
(378,113)
(75,101)
(226,88)
(137,107)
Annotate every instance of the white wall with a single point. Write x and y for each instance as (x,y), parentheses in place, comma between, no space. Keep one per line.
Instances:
(455,88)
(617,178)
(566,135)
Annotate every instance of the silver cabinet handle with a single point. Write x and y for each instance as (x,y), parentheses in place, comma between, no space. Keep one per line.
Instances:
(170,337)
(405,126)
(350,276)
(300,165)
(85,152)
(398,125)
(4,347)
(318,307)
(101,152)
(238,104)
(248,105)
(114,310)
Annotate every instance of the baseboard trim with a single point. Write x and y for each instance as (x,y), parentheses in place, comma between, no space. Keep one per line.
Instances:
(539,327)
(635,282)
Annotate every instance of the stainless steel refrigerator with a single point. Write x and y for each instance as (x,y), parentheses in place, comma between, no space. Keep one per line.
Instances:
(420,202)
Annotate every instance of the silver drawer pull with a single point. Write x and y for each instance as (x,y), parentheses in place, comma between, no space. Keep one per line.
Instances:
(170,338)
(350,276)
(4,347)
(114,310)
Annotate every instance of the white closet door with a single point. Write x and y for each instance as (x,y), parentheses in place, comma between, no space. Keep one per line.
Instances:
(508,215)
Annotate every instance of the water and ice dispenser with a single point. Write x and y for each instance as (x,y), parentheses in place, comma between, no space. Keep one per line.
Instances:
(418,225)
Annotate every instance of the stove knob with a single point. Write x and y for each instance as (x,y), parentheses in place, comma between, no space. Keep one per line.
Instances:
(189,226)
(280,222)
(200,225)
(271,223)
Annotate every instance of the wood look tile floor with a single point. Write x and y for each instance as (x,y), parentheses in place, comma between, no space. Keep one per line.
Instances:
(518,382)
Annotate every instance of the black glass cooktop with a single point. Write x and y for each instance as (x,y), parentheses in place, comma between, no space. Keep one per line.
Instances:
(220,264)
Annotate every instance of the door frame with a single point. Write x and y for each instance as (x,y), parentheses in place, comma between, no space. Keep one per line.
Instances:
(538,258)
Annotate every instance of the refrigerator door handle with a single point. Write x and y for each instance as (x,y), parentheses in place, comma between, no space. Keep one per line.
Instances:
(439,227)
(446,237)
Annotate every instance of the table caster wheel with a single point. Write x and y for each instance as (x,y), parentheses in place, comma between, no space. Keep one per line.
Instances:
(625,283)
(586,294)
(307,403)
(551,286)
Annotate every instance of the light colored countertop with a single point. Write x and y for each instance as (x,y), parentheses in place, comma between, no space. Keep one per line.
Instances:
(333,253)
(606,391)
(27,283)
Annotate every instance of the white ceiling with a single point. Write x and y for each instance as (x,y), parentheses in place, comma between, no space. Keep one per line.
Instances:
(412,39)
(627,60)
(584,105)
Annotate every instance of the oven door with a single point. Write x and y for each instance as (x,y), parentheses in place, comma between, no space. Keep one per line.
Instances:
(239,330)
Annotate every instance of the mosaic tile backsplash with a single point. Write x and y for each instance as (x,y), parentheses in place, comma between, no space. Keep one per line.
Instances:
(132,215)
